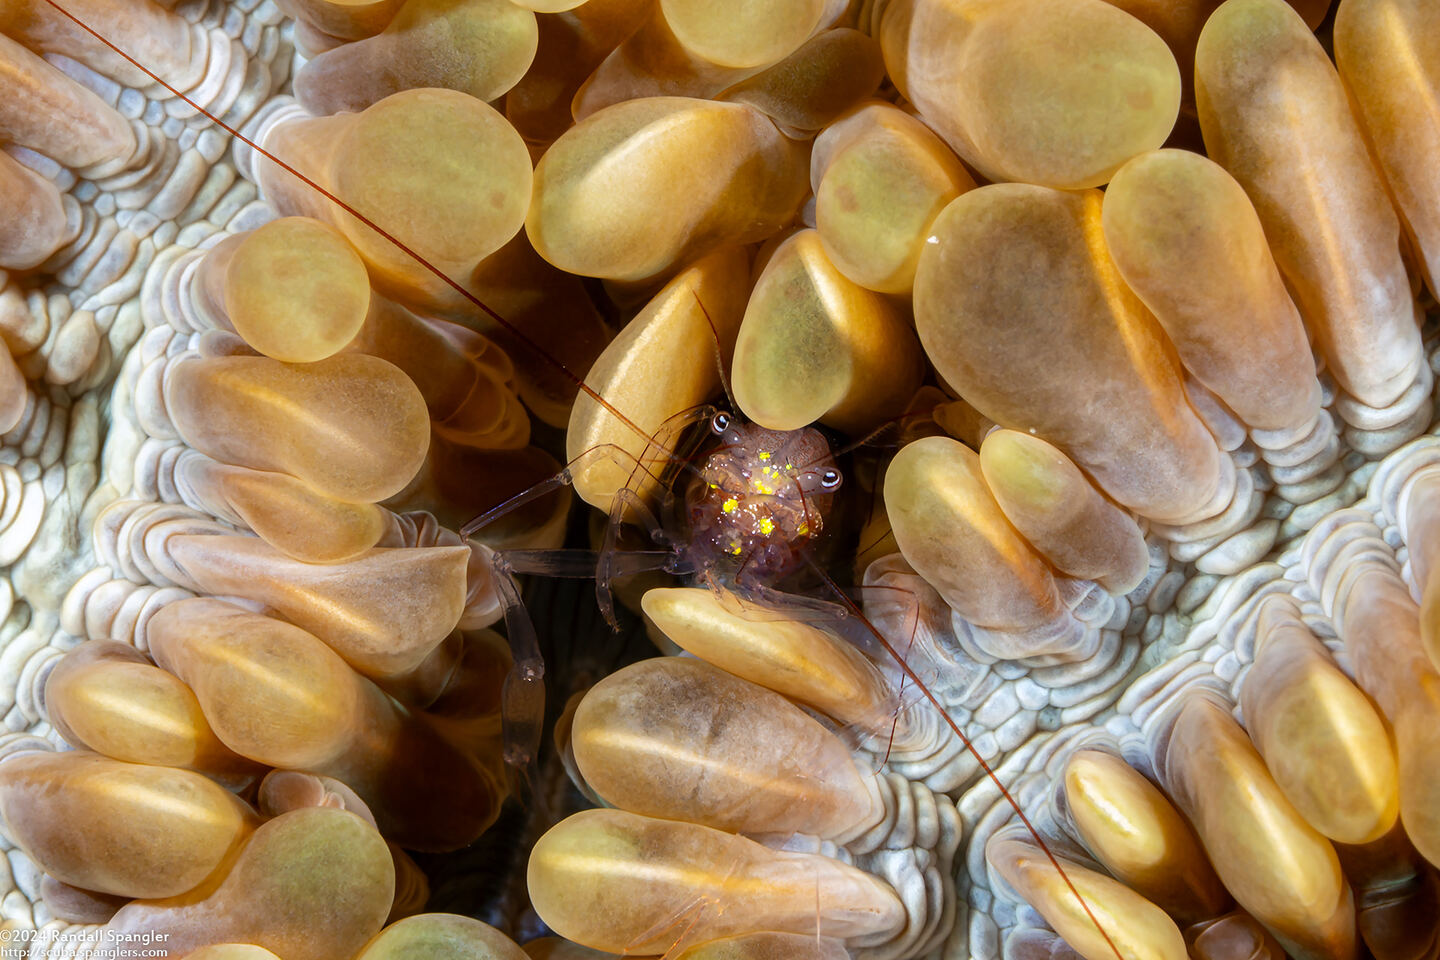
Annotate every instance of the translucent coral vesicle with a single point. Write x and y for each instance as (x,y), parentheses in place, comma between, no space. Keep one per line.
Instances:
(880,178)
(1140,837)
(157,37)
(683,740)
(106,696)
(276,694)
(641,186)
(953,533)
(464,378)
(440,936)
(290,515)
(1022,311)
(605,877)
(37,222)
(1063,516)
(1174,222)
(1276,115)
(1277,866)
(1382,629)
(796,659)
(768,946)
(93,131)
(478,47)
(664,363)
(122,828)
(571,46)
(651,61)
(295,290)
(1053,92)
(271,691)
(352,426)
(1388,53)
(1132,926)
(383,611)
(746,33)
(1321,737)
(343,19)
(815,345)
(311,884)
(815,84)
(453,203)
(550,307)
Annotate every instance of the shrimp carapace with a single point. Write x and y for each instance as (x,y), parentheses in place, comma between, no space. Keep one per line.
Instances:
(757,502)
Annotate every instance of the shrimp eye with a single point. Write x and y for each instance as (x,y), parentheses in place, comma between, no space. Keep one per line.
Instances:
(721,423)
(830,479)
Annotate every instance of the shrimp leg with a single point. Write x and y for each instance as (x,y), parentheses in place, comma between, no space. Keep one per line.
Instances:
(566,477)
(626,503)
(608,564)
(523,695)
(522,699)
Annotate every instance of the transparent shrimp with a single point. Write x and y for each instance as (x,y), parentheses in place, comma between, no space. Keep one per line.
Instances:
(742,523)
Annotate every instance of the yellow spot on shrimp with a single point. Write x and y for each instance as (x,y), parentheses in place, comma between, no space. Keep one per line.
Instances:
(764,454)
(767,526)
(729,505)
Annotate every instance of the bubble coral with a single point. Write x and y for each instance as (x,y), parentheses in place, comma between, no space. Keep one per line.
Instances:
(1158,540)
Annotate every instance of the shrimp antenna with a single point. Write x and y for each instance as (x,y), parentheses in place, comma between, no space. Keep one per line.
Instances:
(914,678)
(399,244)
(886,426)
(715,344)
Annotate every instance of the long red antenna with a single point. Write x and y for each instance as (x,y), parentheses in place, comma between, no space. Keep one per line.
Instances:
(579,382)
(396,241)
(914,678)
